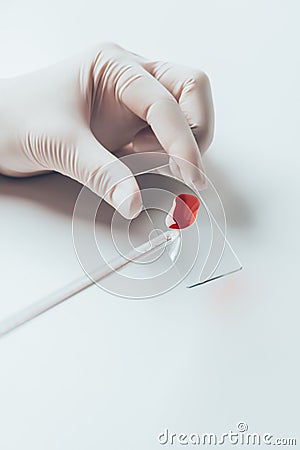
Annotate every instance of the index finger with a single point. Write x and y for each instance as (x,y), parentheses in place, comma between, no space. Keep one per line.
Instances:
(192,90)
(152,102)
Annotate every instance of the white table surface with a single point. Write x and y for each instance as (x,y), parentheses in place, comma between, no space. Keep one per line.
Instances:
(101,372)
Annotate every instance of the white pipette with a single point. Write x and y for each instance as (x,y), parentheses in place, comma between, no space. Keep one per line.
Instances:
(78,285)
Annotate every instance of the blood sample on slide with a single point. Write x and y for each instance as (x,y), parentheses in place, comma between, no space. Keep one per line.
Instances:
(183,212)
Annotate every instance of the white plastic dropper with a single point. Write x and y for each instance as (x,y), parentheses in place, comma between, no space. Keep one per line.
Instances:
(78,285)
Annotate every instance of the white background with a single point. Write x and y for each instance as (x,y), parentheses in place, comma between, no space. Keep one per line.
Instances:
(100,372)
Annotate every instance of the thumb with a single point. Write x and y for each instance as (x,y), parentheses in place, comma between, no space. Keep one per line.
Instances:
(92,165)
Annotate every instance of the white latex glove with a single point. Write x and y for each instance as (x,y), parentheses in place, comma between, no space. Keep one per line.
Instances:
(72,117)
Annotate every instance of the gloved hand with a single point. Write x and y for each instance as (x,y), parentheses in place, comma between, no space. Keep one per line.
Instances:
(73,116)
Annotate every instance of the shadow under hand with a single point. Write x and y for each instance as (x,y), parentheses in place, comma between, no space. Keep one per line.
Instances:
(52,192)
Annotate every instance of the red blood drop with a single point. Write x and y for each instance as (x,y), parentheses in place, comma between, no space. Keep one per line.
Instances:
(184,211)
